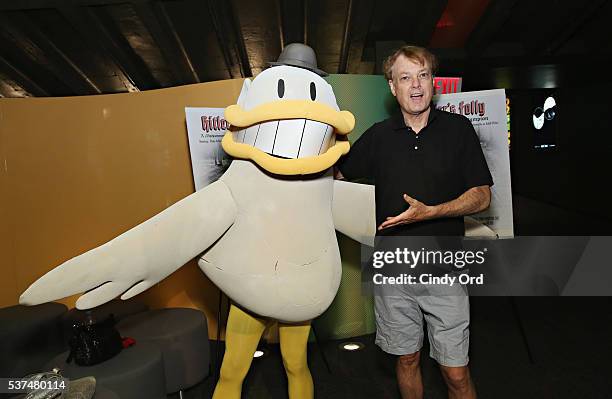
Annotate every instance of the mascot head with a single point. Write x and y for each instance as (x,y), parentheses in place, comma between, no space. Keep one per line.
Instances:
(287,119)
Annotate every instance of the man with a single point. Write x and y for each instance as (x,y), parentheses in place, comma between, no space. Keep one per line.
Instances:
(429,171)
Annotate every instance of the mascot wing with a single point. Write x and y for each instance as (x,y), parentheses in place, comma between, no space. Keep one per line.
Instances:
(354,211)
(142,256)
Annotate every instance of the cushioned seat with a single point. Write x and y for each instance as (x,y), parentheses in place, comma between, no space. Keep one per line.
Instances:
(29,337)
(136,372)
(182,336)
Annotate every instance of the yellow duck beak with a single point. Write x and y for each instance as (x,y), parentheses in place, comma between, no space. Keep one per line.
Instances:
(342,121)
(290,119)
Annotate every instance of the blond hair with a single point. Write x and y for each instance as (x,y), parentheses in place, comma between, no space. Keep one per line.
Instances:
(414,53)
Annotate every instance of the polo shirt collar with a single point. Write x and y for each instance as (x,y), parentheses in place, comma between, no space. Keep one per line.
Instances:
(398,119)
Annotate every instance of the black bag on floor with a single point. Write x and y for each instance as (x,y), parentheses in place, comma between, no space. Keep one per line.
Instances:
(93,342)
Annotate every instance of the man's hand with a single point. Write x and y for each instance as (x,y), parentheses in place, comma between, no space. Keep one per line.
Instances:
(415,213)
(474,200)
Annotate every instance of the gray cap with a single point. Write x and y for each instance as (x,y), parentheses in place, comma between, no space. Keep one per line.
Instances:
(299,55)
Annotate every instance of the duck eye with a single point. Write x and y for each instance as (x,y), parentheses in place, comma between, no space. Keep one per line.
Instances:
(281,88)
(313,91)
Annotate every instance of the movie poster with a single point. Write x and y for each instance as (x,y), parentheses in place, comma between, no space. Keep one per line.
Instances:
(205,129)
(487,111)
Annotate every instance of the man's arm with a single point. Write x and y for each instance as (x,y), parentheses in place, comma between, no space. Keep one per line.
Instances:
(473,200)
(357,164)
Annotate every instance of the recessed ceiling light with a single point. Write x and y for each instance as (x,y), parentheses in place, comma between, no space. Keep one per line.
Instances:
(352,346)
(258,353)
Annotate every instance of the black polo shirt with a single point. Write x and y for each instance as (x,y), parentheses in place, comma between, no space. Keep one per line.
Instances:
(434,166)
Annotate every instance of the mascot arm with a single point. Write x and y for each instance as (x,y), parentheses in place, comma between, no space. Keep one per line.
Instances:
(354,211)
(143,255)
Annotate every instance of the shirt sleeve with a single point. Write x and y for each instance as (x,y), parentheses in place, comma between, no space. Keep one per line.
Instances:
(358,163)
(475,169)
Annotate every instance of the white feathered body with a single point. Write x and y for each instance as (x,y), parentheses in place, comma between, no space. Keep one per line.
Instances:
(280,258)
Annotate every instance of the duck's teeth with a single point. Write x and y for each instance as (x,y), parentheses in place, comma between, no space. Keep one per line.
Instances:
(264,138)
(251,134)
(291,138)
(315,140)
(288,138)
(238,136)
(332,139)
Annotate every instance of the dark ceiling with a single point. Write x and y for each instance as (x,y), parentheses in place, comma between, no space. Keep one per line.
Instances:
(82,47)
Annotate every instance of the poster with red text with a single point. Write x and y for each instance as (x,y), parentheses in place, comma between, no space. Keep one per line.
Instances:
(486,110)
(205,129)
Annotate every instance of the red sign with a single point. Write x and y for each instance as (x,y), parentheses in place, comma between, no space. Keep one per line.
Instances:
(447,85)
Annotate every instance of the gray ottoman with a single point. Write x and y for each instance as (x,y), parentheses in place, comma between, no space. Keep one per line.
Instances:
(29,337)
(136,372)
(182,336)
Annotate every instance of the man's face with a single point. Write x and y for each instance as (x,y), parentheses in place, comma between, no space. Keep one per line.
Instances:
(412,85)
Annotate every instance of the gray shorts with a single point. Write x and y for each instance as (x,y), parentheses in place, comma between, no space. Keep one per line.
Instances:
(399,321)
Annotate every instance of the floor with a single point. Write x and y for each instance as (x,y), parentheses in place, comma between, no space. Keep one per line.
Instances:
(569,340)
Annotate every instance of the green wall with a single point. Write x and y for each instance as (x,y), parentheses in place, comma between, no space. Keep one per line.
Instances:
(352,314)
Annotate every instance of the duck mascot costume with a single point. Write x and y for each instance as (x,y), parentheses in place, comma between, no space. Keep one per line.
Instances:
(264,232)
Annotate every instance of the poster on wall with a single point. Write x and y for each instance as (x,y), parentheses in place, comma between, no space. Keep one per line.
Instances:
(205,129)
(487,111)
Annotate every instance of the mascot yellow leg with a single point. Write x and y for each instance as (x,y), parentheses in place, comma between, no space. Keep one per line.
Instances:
(293,341)
(241,339)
